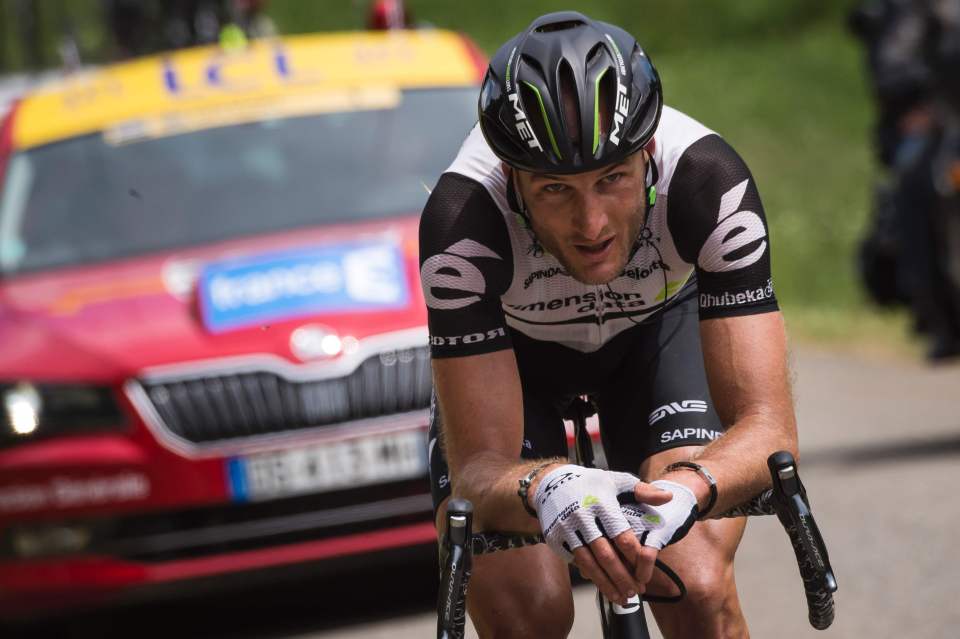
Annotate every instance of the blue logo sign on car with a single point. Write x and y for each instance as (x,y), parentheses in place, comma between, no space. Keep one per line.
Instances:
(328,279)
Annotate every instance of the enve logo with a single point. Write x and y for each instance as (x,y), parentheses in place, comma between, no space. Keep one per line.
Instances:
(686,406)
(735,230)
(451,270)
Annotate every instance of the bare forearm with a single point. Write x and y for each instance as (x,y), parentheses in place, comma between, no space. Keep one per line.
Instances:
(483,435)
(490,482)
(746,364)
(738,460)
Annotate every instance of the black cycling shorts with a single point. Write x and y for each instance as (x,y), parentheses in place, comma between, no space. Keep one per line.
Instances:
(649,383)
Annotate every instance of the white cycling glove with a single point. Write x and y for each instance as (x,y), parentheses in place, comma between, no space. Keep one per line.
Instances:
(660,526)
(577,505)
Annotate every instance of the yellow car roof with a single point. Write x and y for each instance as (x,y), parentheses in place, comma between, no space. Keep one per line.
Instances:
(210,86)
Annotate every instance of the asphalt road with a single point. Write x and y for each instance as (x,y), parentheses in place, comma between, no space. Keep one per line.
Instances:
(880,445)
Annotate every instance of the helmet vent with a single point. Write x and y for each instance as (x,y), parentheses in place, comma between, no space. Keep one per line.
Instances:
(531,100)
(569,103)
(606,102)
(595,54)
(559,26)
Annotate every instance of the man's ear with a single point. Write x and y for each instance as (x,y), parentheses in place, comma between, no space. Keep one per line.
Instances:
(651,146)
(512,177)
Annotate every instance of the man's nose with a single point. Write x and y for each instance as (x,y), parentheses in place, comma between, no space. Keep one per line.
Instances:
(591,219)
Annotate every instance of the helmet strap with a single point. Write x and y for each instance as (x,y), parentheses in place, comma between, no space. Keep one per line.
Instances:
(653,175)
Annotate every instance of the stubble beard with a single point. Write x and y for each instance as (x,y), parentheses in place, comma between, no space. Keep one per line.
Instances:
(576,273)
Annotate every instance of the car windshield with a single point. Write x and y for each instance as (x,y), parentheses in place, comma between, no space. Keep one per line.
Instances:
(86,200)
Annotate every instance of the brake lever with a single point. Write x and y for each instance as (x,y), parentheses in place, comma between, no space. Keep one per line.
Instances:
(791,494)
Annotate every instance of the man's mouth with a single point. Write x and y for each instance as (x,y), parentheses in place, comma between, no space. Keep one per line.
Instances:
(594,249)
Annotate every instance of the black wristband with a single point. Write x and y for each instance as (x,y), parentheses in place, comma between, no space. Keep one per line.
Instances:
(705,474)
(525,486)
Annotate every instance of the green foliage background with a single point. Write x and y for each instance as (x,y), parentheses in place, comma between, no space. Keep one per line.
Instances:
(782,81)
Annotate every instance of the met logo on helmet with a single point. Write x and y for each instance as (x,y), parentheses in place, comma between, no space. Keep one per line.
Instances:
(523,126)
(622,103)
(620,114)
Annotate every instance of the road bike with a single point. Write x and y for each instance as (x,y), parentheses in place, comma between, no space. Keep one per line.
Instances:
(787,499)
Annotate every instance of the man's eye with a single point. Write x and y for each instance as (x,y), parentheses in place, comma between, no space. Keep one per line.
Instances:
(613,177)
(555,187)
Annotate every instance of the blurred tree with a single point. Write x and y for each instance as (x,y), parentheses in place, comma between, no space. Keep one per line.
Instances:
(4,38)
(38,34)
(106,29)
(27,20)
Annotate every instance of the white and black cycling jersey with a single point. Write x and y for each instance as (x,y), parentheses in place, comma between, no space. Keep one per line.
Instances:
(484,275)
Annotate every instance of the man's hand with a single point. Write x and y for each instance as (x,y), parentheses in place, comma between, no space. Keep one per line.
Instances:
(659,513)
(580,516)
(661,525)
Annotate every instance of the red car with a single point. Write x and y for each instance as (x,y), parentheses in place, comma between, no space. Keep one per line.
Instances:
(214,345)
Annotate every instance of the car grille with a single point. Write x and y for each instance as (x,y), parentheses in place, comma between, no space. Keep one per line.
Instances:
(230,406)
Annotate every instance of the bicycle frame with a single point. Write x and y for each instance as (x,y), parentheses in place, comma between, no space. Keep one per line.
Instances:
(617,622)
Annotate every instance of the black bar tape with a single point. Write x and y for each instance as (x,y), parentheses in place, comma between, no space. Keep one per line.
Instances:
(820,608)
(456,565)
(793,511)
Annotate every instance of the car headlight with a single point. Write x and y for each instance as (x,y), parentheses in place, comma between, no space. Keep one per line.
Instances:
(39,410)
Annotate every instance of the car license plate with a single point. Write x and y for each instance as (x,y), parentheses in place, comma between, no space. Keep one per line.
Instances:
(318,468)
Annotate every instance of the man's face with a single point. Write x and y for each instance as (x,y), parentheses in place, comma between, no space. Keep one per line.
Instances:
(588,221)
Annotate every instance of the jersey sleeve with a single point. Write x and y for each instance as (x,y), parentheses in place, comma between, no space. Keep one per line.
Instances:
(716,218)
(466,264)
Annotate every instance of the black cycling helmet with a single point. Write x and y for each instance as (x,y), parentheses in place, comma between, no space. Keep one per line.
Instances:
(569,94)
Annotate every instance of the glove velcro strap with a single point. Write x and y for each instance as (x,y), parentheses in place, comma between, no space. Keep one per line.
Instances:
(707,477)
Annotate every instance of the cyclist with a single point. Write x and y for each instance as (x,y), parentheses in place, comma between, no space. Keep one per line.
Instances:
(589,239)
